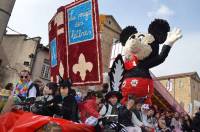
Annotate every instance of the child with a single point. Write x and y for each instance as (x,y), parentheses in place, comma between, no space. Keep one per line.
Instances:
(91,105)
(67,101)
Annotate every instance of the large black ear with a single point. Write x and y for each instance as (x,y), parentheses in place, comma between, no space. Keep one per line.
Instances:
(126,33)
(159,29)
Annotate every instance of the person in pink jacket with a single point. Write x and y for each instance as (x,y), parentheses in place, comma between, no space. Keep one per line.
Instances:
(90,107)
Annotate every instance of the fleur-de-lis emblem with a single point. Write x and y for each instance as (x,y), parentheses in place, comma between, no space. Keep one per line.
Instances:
(61,69)
(82,67)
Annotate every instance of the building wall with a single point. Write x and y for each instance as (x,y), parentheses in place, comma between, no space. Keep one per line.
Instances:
(110,31)
(195,94)
(184,90)
(6,7)
(39,61)
(17,49)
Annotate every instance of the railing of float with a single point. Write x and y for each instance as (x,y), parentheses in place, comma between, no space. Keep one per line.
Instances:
(166,95)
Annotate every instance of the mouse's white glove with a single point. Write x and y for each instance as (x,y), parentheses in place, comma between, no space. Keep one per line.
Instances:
(173,36)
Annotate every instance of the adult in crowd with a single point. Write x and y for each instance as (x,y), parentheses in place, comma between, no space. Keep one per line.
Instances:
(137,113)
(137,109)
(25,88)
(156,119)
(168,118)
(125,116)
(187,122)
(176,123)
(147,117)
(196,122)
(162,127)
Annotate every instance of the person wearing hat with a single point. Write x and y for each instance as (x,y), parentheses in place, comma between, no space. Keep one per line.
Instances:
(147,114)
(67,102)
(111,105)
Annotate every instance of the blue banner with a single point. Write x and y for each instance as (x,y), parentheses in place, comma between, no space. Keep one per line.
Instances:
(80,23)
(53,47)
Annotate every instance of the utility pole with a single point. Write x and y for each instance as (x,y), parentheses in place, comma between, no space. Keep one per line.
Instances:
(6,7)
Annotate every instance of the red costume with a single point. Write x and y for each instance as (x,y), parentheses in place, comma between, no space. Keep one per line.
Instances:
(136,86)
(137,80)
(89,108)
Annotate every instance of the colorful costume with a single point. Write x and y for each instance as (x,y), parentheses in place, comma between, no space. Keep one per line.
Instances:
(142,53)
(21,89)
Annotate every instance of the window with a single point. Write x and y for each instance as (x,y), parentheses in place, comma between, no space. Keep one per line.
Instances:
(180,83)
(45,73)
(169,85)
(109,22)
(190,108)
(117,48)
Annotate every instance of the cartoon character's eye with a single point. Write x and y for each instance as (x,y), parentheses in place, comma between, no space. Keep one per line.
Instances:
(141,36)
(132,36)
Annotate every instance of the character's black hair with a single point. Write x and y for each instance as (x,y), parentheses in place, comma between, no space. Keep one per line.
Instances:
(53,86)
(159,29)
(126,33)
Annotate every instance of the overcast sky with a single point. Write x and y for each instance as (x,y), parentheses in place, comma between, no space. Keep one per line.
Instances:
(31,17)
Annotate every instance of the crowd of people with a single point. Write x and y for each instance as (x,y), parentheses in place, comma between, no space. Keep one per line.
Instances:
(103,106)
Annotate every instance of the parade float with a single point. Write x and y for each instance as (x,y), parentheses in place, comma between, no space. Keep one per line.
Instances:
(75,52)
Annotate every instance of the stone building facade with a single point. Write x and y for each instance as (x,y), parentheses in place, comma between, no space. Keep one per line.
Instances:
(18,51)
(109,32)
(184,88)
(41,65)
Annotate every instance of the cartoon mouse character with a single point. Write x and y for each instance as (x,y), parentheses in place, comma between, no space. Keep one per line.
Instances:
(142,53)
